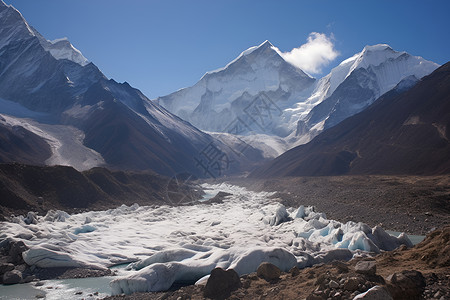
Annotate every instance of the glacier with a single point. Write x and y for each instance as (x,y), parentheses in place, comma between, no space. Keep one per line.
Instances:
(168,244)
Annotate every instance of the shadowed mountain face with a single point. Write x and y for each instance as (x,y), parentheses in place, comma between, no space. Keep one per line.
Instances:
(21,145)
(401,133)
(58,97)
(26,188)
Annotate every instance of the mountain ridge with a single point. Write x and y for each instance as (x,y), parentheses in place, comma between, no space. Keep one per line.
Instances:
(401,133)
(53,88)
(216,102)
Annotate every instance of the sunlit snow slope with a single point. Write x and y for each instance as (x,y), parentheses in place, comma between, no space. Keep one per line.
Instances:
(355,84)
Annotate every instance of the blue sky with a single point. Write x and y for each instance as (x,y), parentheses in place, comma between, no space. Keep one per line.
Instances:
(162,46)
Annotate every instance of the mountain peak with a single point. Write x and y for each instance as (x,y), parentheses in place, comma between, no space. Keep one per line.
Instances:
(260,48)
(377,47)
(265,44)
(63,49)
(14,26)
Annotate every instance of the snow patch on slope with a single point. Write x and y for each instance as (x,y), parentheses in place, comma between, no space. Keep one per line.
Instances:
(19,111)
(66,143)
(63,49)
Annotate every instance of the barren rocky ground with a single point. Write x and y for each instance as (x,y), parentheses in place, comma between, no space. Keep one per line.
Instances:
(411,204)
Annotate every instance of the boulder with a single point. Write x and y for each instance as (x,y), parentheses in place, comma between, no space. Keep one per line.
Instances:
(12,277)
(15,251)
(366,267)
(406,285)
(221,283)
(29,278)
(268,271)
(333,284)
(351,284)
(5,267)
(375,293)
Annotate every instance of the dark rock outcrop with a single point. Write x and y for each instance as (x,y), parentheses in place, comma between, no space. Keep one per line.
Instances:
(221,283)
(366,267)
(406,285)
(12,277)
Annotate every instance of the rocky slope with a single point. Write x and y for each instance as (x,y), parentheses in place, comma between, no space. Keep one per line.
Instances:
(25,188)
(22,145)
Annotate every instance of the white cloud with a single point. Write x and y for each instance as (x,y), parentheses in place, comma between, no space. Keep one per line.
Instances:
(314,55)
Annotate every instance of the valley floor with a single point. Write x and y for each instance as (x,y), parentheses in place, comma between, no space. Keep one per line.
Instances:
(411,204)
(241,217)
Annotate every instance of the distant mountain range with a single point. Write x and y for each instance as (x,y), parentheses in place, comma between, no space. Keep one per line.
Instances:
(403,132)
(56,107)
(278,106)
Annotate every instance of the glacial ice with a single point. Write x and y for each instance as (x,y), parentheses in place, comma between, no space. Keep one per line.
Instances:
(46,258)
(160,275)
(179,244)
(280,216)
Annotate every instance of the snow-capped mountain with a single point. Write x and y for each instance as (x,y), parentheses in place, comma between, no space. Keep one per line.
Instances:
(50,90)
(355,84)
(403,132)
(274,106)
(259,75)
